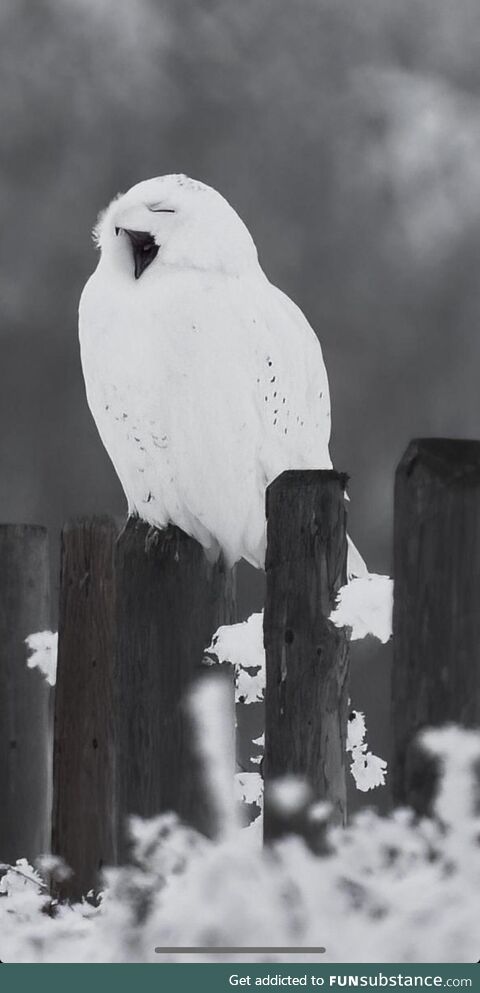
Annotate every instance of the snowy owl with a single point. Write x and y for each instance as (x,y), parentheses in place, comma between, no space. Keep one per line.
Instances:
(205,380)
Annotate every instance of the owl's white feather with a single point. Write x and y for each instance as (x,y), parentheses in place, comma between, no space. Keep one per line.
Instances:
(204,379)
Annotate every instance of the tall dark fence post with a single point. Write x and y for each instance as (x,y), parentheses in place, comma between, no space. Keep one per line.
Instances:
(170,600)
(306,698)
(84,811)
(436,619)
(25,742)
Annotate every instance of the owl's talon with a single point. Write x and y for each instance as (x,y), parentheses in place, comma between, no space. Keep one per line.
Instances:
(122,532)
(151,538)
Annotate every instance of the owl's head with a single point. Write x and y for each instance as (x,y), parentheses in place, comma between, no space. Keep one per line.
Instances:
(174,221)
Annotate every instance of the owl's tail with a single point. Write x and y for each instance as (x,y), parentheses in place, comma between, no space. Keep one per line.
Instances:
(356,565)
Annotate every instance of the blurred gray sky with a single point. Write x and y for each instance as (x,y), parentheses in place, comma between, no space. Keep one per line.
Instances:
(347,135)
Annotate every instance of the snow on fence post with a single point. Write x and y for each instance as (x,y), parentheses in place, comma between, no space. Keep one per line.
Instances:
(84,822)
(306,700)
(436,616)
(170,601)
(25,727)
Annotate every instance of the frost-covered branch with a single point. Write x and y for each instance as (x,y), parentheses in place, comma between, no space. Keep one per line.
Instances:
(367,769)
(43,648)
(365,606)
(241,645)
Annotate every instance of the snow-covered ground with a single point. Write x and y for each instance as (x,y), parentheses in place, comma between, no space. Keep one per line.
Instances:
(388,890)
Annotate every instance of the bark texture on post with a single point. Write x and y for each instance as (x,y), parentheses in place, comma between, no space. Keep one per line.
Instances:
(84,813)
(306,698)
(436,617)
(25,731)
(170,601)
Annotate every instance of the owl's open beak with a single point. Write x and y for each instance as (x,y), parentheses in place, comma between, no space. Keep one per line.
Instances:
(145,249)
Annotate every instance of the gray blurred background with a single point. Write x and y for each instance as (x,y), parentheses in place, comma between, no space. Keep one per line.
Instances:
(347,135)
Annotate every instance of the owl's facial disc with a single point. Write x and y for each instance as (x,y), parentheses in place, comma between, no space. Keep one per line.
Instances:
(144,248)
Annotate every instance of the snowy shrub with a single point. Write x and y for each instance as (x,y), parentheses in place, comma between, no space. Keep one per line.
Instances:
(395,889)
(241,646)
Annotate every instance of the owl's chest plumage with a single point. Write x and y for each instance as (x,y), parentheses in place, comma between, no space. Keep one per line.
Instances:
(202,390)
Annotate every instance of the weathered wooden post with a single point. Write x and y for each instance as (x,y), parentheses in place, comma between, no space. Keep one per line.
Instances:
(170,600)
(306,699)
(436,617)
(84,809)
(25,741)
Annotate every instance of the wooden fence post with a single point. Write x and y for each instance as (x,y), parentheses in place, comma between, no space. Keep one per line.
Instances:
(84,811)
(25,731)
(436,617)
(170,600)
(306,700)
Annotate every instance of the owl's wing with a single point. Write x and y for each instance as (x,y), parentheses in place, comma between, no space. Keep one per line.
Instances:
(294,400)
(292,392)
